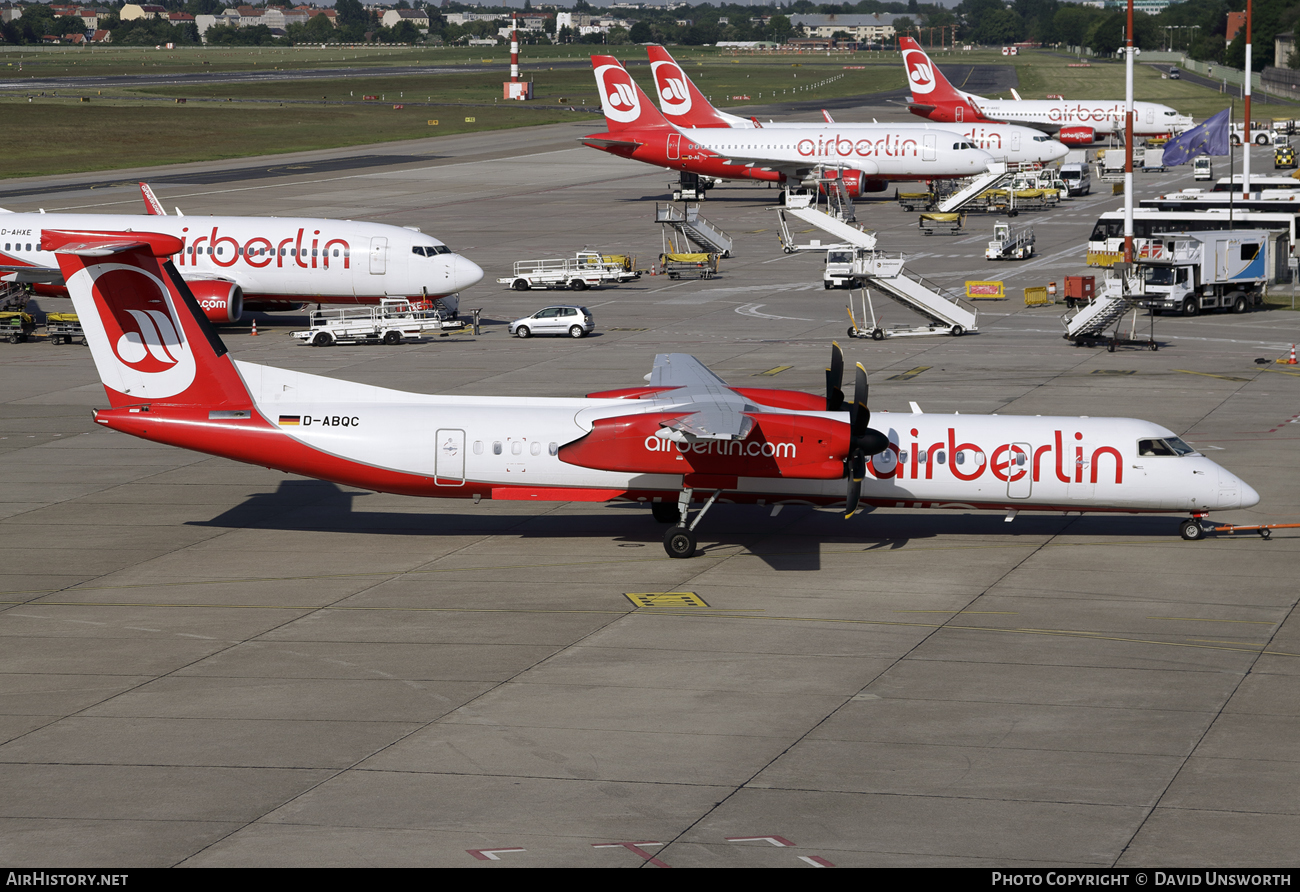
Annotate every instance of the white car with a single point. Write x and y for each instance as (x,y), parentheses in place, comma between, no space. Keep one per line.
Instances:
(576,322)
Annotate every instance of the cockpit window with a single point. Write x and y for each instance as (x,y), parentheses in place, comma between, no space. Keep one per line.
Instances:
(963,145)
(1166,446)
(430,250)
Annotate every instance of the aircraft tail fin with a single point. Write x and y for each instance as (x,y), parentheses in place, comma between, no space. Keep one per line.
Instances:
(152,206)
(926,81)
(681,101)
(150,340)
(625,106)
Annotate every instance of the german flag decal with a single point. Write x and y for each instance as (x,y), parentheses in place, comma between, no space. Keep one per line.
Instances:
(290,419)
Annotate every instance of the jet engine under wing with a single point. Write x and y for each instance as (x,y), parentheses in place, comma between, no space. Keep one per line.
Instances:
(713,410)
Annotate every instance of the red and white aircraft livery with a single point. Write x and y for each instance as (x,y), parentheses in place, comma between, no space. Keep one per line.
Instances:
(1075,122)
(264,263)
(638,131)
(686,107)
(169,379)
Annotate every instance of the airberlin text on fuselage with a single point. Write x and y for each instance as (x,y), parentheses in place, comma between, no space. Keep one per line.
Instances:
(259,252)
(1009,462)
(888,147)
(723,447)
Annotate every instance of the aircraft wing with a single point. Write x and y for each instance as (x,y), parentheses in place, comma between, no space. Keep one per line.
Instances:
(711,409)
(36,275)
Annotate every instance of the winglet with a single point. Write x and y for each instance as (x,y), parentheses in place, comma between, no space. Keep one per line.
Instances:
(152,206)
(827,116)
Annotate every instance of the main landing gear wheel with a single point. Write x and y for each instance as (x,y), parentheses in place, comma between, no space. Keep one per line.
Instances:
(679,542)
(1191,530)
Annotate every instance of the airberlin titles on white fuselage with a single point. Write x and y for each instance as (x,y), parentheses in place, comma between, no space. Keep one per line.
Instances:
(1004,142)
(274,257)
(896,151)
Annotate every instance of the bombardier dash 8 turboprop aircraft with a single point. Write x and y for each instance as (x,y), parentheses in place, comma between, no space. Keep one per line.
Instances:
(686,107)
(867,161)
(263,263)
(1074,121)
(169,379)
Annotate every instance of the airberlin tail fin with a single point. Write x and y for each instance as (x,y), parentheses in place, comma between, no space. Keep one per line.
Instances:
(926,81)
(150,340)
(625,106)
(681,101)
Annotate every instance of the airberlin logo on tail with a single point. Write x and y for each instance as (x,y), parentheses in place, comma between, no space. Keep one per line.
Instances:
(920,71)
(141,328)
(618,95)
(674,94)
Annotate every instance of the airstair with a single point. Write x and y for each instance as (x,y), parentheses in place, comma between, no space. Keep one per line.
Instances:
(945,315)
(13,297)
(801,208)
(696,230)
(995,176)
(1088,324)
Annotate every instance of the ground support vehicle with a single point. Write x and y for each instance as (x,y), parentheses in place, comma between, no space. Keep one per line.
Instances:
(1079,291)
(1009,244)
(1259,136)
(61,328)
(1283,157)
(586,269)
(949,223)
(691,187)
(944,315)
(684,230)
(391,322)
(689,266)
(1087,326)
(1202,169)
(1187,272)
(914,201)
(16,326)
(1154,160)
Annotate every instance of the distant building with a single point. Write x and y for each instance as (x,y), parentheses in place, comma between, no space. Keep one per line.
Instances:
(875,28)
(417,17)
(132,11)
(1236,21)
(1283,48)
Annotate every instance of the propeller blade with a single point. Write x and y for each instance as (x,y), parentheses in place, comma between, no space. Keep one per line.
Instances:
(834,376)
(851,498)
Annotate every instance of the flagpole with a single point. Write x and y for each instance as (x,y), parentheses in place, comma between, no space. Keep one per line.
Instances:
(1128,138)
(1231,164)
(1246,142)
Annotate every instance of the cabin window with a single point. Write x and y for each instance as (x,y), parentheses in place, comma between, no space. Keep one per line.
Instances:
(535,448)
(496,448)
(920,457)
(939,457)
(478,447)
(516,448)
(553,449)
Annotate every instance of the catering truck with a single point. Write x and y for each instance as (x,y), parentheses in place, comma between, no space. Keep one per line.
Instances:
(1187,272)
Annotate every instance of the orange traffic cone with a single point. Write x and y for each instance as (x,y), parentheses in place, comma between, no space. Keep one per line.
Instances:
(254,333)
(1292,361)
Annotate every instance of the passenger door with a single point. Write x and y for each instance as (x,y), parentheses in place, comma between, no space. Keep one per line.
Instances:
(449,458)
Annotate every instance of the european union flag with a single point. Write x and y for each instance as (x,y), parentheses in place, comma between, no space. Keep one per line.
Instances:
(1210,138)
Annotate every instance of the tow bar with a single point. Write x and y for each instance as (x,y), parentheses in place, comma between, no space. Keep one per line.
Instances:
(1265,530)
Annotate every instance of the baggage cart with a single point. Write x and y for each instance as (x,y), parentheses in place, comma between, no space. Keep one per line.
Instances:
(689,266)
(16,326)
(61,328)
(950,223)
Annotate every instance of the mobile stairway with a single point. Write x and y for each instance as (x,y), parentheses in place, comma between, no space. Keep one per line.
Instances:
(696,230)
(996,175)
(1087,326)
(802,208)
(944,315)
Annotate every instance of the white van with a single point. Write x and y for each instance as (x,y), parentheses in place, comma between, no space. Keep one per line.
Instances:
(1077,179)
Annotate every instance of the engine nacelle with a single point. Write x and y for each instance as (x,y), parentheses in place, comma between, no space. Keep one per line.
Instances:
(856,182)
(1077,136)
(221,301)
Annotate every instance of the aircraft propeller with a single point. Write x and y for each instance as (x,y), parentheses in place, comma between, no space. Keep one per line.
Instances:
(864,440)
(834,376)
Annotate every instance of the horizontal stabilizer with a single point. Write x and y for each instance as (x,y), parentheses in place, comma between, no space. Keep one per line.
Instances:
(89,243)
(606,143)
